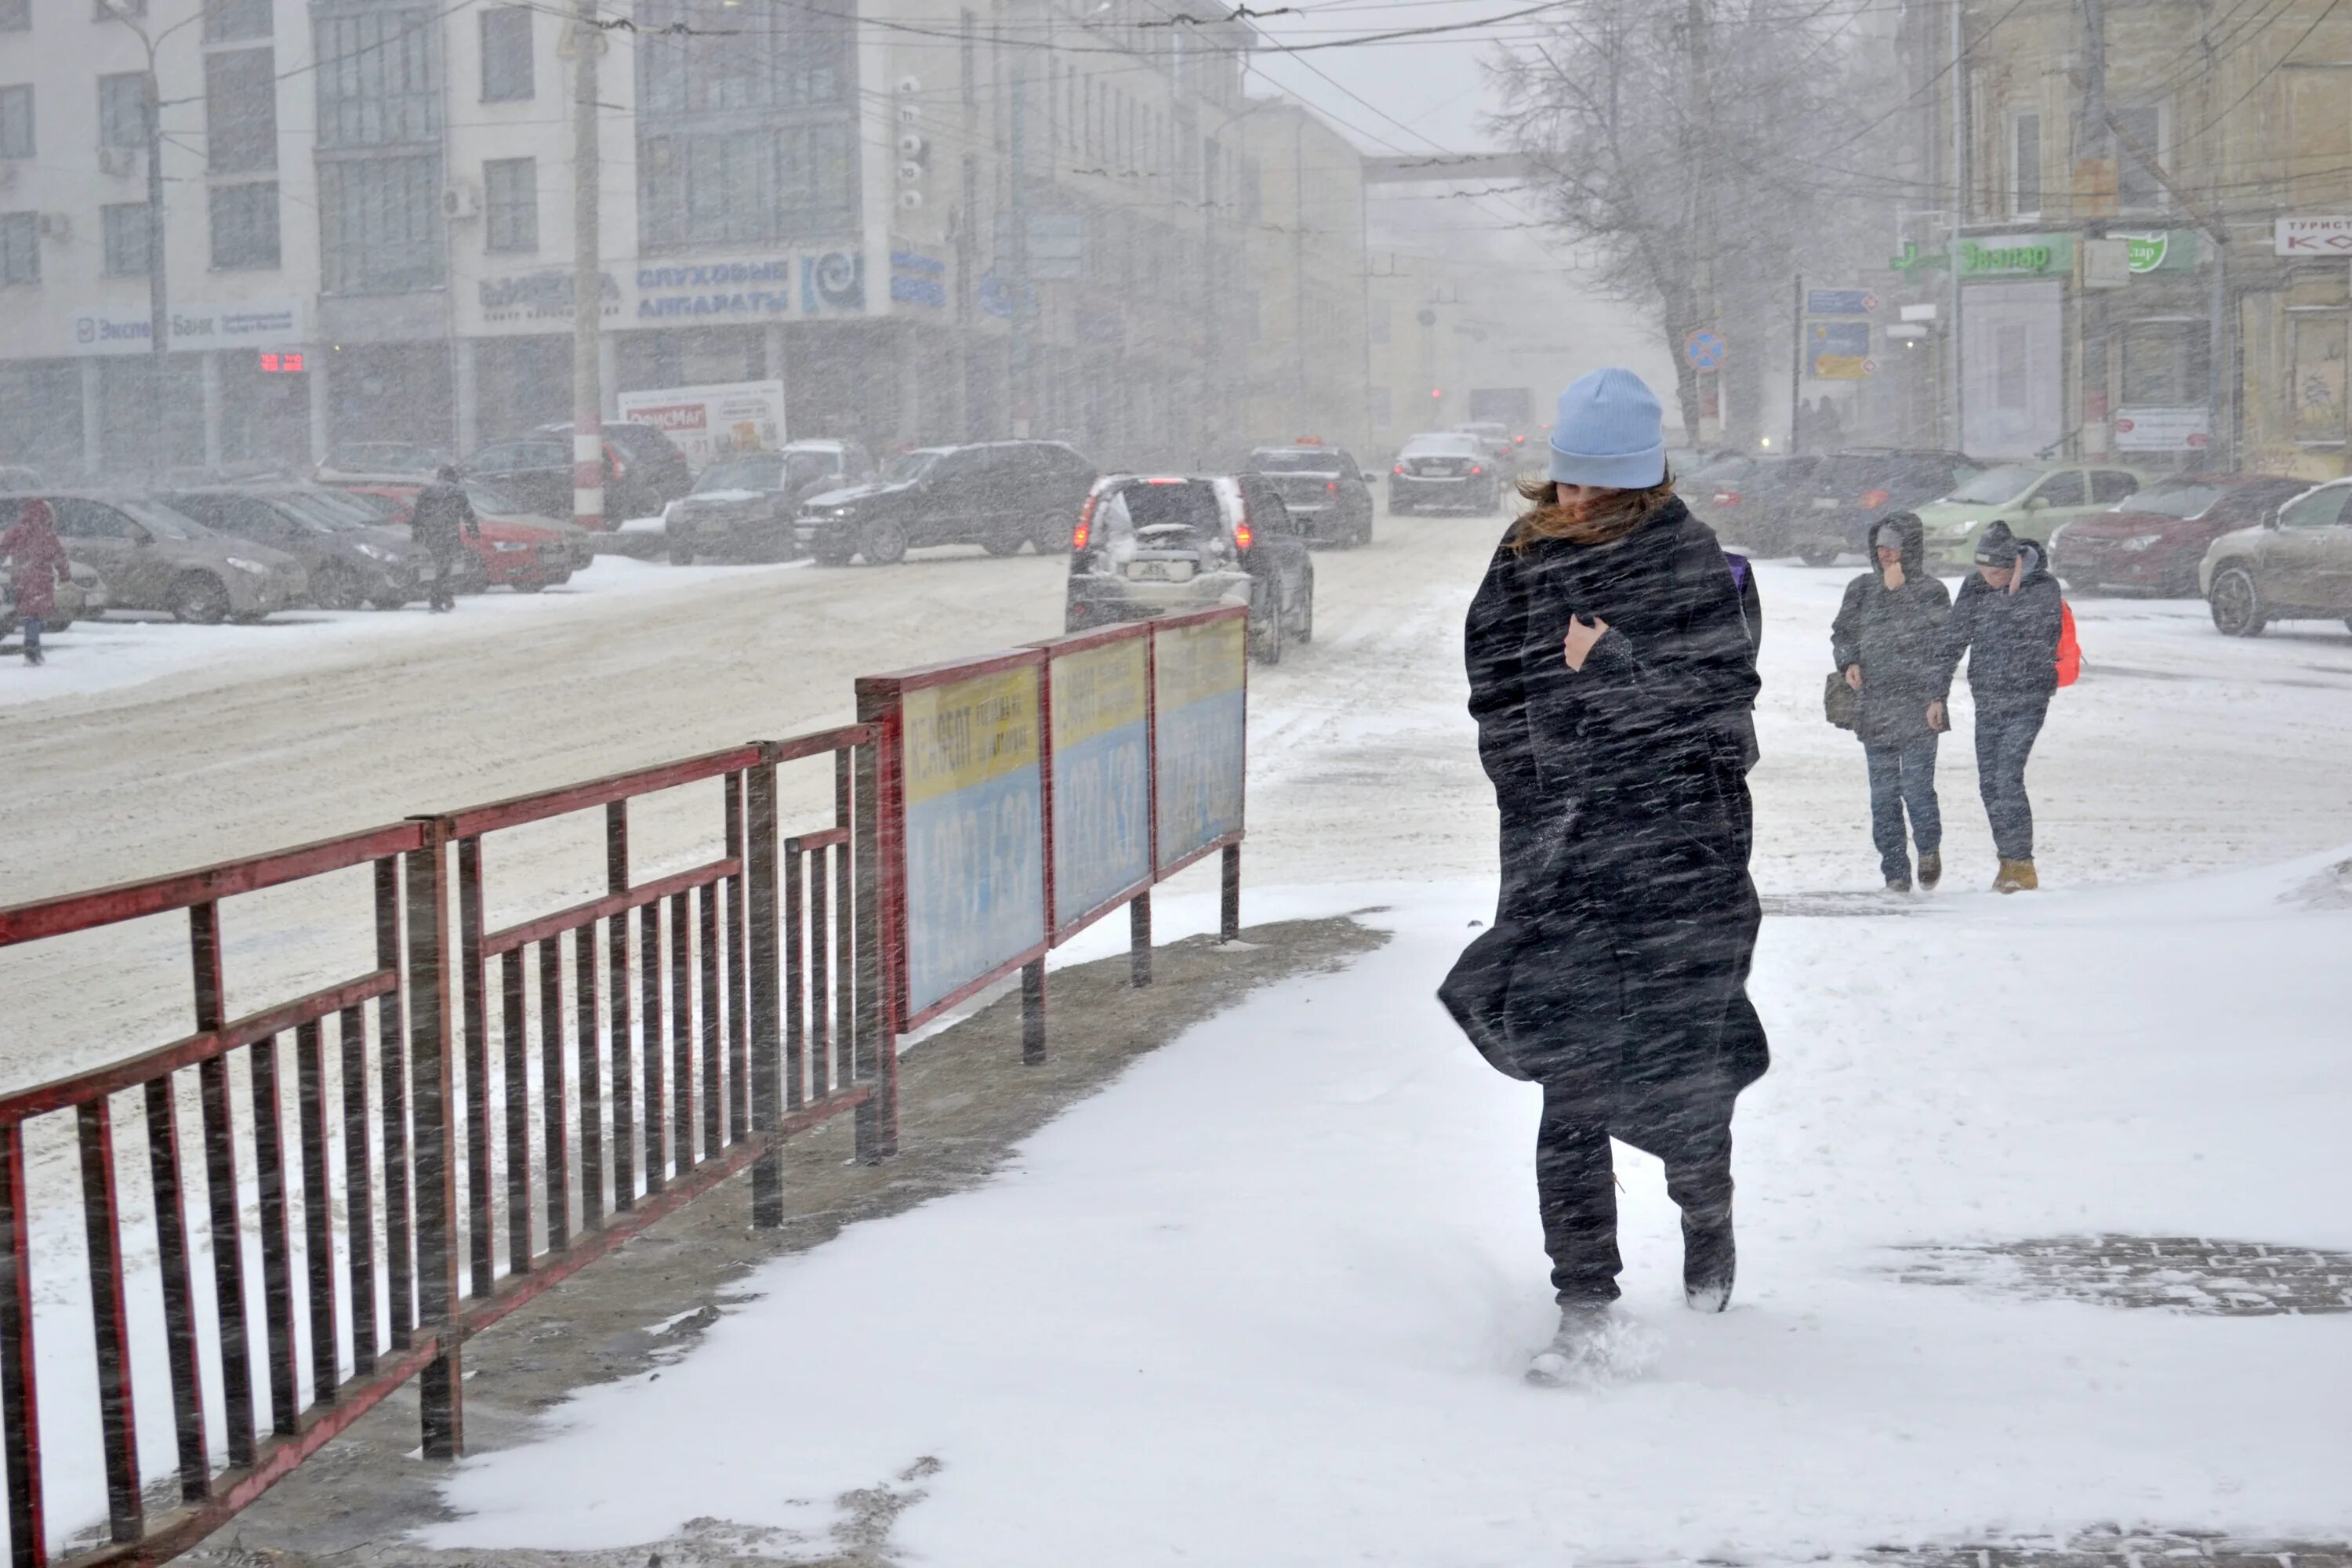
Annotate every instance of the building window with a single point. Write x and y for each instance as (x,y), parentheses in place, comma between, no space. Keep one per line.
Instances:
(2164,363)
(378,79)
(241,110)
(2138,189)
(2025,165)
(510,204)
(20,248)
(725,57)
(232,21)
(16,121)
(506,54)
(15,15)
(245,225)
(126,238)
(380,224)
(122,111)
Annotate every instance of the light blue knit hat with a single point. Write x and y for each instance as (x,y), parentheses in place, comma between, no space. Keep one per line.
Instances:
(1609,433)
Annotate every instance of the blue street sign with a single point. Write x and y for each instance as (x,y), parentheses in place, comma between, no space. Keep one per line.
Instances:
(1840,301)
(1704,350)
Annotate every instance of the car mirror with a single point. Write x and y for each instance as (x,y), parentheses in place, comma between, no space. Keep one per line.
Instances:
(2037,503)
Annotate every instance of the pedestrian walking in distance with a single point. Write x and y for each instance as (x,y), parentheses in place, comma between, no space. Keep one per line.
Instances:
(36,562)
(1888,639)
(1613,680)
(440,521)
(2007,621)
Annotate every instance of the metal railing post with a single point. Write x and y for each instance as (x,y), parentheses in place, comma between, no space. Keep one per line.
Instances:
(878,1120)
(1229,920)
(433,1101)
(1139,939)
(767,1004)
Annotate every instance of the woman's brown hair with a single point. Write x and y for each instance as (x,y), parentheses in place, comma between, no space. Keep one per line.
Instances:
(1613,515)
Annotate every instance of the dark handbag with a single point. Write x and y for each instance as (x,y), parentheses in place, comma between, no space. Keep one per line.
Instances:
(1841,704)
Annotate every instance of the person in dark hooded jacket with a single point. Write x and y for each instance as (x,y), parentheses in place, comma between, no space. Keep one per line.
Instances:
(439,521)
(1888,639)
(1612,677)
(2007,621)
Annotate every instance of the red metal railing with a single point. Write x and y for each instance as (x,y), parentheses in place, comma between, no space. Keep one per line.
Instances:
(697,1023)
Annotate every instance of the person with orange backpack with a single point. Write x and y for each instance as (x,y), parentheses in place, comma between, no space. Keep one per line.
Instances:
(2010,621)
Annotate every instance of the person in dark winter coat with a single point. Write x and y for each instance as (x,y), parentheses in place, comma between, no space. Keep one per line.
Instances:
(36,561)
(2006,620)
(1614,678)
(440,520)
(1888,639)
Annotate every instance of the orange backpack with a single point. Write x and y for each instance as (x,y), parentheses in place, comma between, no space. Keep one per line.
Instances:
(2070,652)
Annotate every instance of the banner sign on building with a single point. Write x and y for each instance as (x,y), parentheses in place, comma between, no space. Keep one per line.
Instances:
(2163,429)
(974,826)
(705,421)
(1101,774)
(265,324)
(918,279)
(2018,256)
(1200,672)
(2313,237)
(683,291)
(1840,301)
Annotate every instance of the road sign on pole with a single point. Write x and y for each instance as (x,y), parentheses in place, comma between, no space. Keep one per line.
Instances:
(1704,350)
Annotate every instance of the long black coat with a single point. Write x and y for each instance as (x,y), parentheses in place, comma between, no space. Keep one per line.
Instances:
(1896,634)
(1627,920)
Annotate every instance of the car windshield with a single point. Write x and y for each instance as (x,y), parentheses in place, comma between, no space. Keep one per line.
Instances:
(2175,500)
(493,498)
(1164,513)
(1294,460)
(1996,486)
(329,508)
(908,466)
(1451,445)
(162,520)
(764,471)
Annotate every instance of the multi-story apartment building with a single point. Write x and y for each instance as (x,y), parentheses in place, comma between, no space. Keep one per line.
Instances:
(1026,219)
(2221,124)
(1302,210)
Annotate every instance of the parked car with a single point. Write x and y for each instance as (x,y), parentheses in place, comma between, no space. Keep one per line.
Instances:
(348,562)
(1321,487)
(1148,545)
(1497,436)
(82,596)
(644,470)
(744,503)
(2296,566)
(2032,497)
(359,461)
(1752,500)
(1000,495)
(1848,491)
(152,558)
(1445,469)
(17,480)
(515,550)
(2155,541)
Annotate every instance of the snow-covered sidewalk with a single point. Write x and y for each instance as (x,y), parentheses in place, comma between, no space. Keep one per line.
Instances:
(1266,1299)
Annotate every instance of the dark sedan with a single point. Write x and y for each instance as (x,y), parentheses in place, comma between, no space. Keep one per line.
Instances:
(348,563)
(1448,468)
(2154,543)
(742,507)
(1000,495)
(1322,488)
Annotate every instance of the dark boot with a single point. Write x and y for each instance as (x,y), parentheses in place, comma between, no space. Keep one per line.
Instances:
(1931,869)
(1709,1260)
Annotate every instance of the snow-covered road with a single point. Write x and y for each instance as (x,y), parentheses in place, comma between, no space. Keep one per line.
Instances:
(1283,1329)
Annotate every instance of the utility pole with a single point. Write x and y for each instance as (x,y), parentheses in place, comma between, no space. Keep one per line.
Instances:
(1796,361)
(1952,352)
(159,314)
(2092,143)
(1023,378)
(1703,213)
(587,279)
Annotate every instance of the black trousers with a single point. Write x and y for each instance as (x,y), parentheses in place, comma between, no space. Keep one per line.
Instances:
(1685,1121)
(2007,728)
(443,595)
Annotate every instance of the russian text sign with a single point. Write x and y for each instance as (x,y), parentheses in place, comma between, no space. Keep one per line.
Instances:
(1198,676)
(1102,775)
(975,831)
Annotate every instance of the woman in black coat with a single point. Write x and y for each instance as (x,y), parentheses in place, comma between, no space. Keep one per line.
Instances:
(1612,679)
(1888,640)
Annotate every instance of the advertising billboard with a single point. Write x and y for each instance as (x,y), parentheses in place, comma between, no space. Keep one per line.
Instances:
(1199,674)
(706,422)
(1102,775)
(974,826)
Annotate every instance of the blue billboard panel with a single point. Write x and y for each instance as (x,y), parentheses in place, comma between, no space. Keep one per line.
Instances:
(975,831)
(1102,777)
(1198,676)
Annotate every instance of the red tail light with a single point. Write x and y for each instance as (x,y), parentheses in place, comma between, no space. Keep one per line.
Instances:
(1727,497)
(1478,468)
(1085,525)
(1241,532)
(1518,440)
(1873,499)
(1400,469)
(1332,485)
(612,464)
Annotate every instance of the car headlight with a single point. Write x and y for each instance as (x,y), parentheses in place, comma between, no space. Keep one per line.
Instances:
(255,567)
(375,551)
(2140,541)
(509,546)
